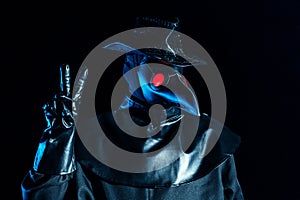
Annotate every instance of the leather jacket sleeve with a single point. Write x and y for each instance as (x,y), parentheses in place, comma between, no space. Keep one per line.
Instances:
(54,161)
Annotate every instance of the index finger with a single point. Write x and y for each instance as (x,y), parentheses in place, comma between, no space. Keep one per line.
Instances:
(65,77)
(79,83)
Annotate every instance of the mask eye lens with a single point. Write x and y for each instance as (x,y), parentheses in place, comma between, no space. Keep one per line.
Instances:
(158,79)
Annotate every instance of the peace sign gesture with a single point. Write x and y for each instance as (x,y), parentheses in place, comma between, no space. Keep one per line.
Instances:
(55,153)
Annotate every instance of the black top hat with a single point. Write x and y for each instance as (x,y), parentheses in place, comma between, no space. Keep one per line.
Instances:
(165,22)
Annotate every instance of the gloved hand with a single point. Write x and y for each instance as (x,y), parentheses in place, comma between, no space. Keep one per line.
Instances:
(55,153)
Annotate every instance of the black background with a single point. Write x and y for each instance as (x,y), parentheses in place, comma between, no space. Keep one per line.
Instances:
(255,47)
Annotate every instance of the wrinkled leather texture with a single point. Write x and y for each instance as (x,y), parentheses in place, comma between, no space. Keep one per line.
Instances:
(220,183)
(189,167)
(211,177)
(65,169)
(55,153)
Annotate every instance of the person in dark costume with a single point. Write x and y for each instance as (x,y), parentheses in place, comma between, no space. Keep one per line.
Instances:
(64,169)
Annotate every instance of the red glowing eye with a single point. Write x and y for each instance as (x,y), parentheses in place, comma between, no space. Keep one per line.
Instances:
(158,79)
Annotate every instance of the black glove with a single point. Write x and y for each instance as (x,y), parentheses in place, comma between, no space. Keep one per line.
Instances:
(55,153)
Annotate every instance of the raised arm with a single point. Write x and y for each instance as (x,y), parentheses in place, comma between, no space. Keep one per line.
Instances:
(55,159)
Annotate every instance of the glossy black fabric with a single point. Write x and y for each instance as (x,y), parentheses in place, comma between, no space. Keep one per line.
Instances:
(64,168)
(55,153)
(220,183)
(213,177)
